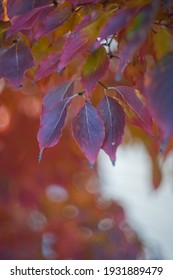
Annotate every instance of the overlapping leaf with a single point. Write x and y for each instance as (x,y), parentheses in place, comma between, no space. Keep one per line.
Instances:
(47,66)
(94,69)
(113,117)
(77,42)
(159,90)
(53,19)
(53,116)
(135,36)
(82,38)
(88,131)
(14,61)
(142,115)
(27,21)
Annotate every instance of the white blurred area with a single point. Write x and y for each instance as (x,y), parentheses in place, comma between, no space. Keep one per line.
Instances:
(149,212)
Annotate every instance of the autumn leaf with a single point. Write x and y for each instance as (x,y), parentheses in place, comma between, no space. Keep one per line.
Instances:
(158,88)
(135,36)
(22,7)
(143,118)
(14,61)
(116,22)
(88,131)
(54,112)
(21,23)
(113,117)
(47,66)
(94,69)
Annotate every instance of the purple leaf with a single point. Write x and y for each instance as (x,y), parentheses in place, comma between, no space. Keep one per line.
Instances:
(47,66)
(21,7)
(53,19)
(27,21)
(143,118)
(53,118)
(88,131)
(116,22)
(159,91)
(94,69)
(83,2)
(14,61)
(113,117)
(57,93)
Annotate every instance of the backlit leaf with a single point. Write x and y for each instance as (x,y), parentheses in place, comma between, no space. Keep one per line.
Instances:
(54,112)
(113,117)
(88,131)
(161,47)
(143,118)
(94,69)
(159,91)
(14,61)
(47,66)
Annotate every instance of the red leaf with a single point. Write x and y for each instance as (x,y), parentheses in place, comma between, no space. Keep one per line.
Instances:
(21,7)
(77,42)
(14,61)
(53,115)
(94,69)
(88,131)
(143,119)
(116,22)
(113,117)
(159,91)
(47,66)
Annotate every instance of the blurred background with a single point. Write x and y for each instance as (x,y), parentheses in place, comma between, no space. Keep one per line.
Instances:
(148,211)
(61,209)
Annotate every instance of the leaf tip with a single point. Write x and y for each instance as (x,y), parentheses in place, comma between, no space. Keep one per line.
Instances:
(113,162)
(40,156)
(118,77)
(91,165)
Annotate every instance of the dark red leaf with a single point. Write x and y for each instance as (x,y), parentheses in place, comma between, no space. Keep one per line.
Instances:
(94,69)
(116,22)
(143,118)
(27,21)
(47,66)
(113,117)
(159,91)
(88,131)
(54,112)
(21,7)
(14,61)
